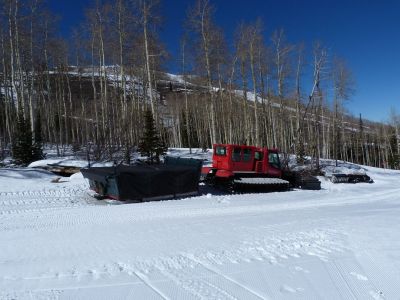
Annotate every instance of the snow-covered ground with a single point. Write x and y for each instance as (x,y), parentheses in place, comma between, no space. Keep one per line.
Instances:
(57,242)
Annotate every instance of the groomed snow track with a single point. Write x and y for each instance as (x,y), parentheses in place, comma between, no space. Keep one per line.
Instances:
(23,201)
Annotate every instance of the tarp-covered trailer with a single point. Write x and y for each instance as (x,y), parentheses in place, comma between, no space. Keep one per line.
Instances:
(177,177)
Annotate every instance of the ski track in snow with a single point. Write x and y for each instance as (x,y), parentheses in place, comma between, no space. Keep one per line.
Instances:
(60,243)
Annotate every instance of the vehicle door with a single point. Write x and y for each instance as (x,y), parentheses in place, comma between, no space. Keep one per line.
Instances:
(274,165)
(242,159)
(220,157)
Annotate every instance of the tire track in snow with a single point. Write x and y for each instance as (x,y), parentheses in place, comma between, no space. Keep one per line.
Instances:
(341,286)
(346,268)
(198,286)
(150,285)
(218,273)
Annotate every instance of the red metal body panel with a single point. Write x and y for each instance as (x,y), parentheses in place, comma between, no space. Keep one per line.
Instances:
(229,159)
(224,173)
(205,170)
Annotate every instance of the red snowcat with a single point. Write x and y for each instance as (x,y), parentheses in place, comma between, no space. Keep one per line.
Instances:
(252,169)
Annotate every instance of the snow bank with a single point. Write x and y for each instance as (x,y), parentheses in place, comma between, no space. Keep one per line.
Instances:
(65,162)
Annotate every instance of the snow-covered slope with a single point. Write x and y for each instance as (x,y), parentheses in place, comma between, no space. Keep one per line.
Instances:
(342,242)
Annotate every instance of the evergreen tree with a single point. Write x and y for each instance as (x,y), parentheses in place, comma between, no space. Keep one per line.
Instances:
(37,148)
(22,148)
(151,145)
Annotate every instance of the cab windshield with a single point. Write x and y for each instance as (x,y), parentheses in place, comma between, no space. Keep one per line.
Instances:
(273,160)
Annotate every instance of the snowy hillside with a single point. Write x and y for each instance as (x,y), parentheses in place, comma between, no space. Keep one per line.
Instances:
(57,242)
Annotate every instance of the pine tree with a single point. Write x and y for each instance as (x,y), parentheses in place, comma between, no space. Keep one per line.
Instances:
(151,145)
(22,148)
(37,148)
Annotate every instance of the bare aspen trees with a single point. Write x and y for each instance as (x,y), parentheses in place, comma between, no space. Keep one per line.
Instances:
(200,19)
(247,90)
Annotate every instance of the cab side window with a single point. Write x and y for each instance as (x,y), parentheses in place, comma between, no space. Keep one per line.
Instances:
(236,154)
(220,151)
(246,155)
(258,155)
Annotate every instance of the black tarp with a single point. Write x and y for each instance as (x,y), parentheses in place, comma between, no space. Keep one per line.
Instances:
(176,177)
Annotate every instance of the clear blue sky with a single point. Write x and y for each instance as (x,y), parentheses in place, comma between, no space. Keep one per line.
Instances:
(365,33)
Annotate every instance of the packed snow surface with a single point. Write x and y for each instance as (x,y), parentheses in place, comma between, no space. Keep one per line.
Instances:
(58,242)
